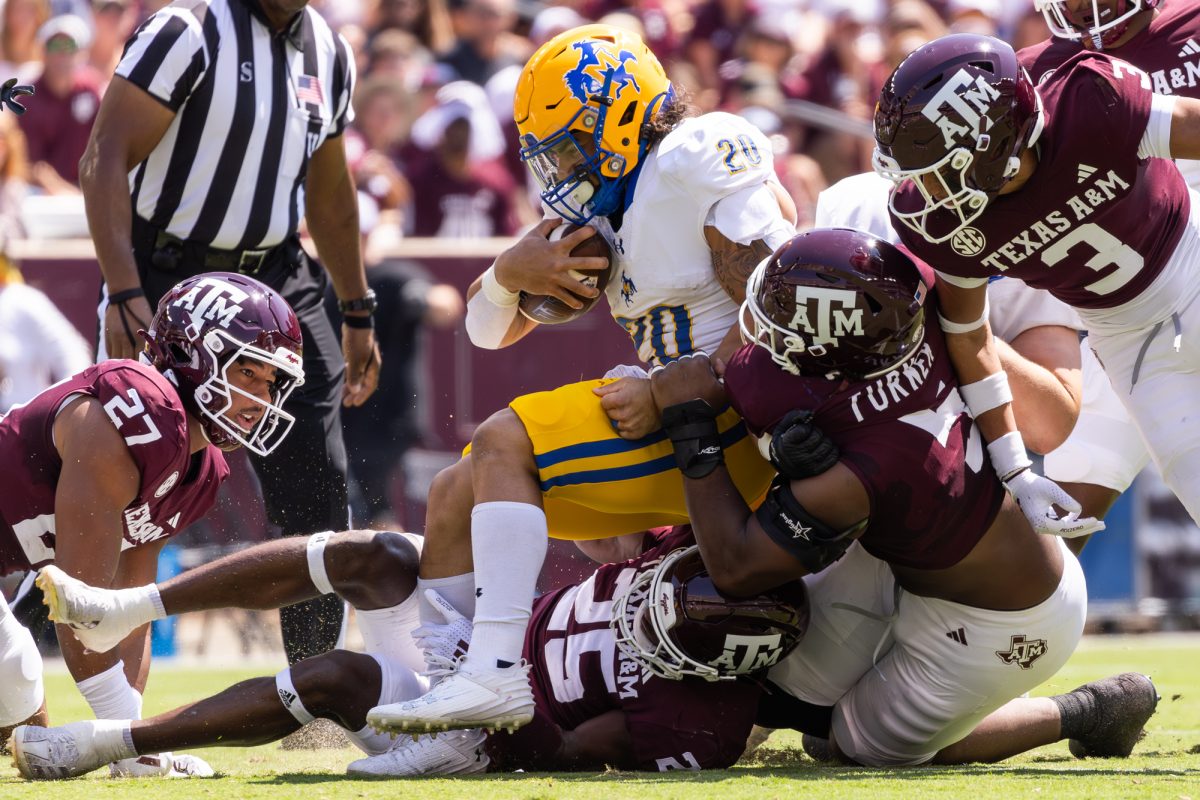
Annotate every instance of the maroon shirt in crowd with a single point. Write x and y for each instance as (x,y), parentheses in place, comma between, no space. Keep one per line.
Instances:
(578,674)
(59,128)
(447,205)
(176,489)
(906,435)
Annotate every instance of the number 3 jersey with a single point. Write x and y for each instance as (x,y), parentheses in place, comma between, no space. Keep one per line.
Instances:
(663,290)
(579,674)
(1096,223)
(906,435)
(176,488)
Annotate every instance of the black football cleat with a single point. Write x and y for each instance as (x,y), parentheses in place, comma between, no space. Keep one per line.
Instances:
(1123,705)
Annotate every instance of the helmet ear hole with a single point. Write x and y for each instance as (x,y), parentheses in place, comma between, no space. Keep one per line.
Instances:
(627,117)
(179,353)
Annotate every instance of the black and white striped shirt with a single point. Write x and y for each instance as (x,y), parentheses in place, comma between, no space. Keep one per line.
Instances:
(251,107)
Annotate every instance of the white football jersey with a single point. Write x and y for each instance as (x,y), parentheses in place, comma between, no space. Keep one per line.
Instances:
(663,290)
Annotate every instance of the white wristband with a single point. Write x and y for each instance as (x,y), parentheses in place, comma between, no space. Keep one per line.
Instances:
(964,327)
(987,394)
(110,695)
(496,293)
(1008,455)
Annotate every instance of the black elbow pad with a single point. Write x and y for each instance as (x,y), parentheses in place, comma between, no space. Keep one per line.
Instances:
(813,543)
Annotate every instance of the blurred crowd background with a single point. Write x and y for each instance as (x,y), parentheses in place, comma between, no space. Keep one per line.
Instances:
(433,150)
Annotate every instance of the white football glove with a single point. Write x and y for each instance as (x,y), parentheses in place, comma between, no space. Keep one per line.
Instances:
(1037,495)
(443,644)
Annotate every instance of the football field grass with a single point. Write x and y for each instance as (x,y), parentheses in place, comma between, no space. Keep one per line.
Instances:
(1166,764)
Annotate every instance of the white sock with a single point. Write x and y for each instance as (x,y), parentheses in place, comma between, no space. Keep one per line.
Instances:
(508,542)
(388,631)
(112,739)
(110,696)
(140,604)
(457,590)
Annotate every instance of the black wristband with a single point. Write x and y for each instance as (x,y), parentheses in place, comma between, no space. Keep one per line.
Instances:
(359,323)
(692,429)
(118,298)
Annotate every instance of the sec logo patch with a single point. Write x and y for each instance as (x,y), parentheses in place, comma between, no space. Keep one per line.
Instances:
(968,242)
(168,484)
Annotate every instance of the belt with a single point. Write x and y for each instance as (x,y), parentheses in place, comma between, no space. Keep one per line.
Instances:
(168,253)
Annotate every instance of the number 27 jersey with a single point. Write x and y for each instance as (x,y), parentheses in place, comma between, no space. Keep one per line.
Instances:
(175,490)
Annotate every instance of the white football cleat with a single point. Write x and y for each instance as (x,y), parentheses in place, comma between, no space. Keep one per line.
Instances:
(100,618)
(469,698)
(451,753)
(162,765)
(67,751)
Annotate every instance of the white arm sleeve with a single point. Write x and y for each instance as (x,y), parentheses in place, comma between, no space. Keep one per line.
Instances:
(487,322)
(1156,141)
(962,283)
(750,214)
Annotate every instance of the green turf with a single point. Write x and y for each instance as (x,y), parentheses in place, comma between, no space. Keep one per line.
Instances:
(1165,765)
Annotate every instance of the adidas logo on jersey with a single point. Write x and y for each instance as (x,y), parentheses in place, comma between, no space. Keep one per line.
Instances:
(1085,173)
(959,636)
(1190,49)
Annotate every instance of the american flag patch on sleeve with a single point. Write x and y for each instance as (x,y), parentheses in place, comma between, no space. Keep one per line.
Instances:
(308,90)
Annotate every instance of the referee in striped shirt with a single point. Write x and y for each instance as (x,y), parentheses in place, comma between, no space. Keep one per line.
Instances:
(221,130)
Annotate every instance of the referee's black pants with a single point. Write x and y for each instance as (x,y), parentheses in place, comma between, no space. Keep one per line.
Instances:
(304,479)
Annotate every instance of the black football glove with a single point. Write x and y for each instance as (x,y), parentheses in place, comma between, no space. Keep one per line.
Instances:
(9,93)
(800,449)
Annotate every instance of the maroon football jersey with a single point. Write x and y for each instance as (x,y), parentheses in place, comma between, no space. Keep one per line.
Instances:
(176,488)
(1095,224)
(908,437)
(578,674)
(1168,49)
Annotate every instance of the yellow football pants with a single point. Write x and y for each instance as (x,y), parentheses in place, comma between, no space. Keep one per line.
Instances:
(596,484)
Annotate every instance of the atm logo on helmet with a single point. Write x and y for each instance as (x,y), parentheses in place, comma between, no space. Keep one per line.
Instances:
(595,62)
(212,300)
(970,97)
(836,314)
(745,654)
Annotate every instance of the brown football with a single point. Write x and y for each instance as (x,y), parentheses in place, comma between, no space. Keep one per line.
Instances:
(549,310)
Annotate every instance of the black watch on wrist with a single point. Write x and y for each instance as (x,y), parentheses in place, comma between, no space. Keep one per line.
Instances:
(365,303)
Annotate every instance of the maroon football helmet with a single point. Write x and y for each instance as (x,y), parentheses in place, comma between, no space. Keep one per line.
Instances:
(837,303)
(676,623)
(952,120)
(1091,26)
(202,327)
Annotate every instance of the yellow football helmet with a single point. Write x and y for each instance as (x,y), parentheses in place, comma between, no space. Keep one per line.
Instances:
(580,107)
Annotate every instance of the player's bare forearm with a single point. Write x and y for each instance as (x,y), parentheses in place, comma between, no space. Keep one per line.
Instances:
(332,215)
(975,357)
(739,556)
(732,263)
(972,349)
